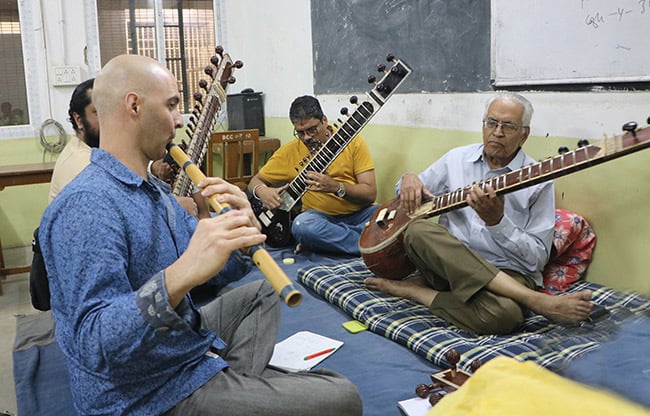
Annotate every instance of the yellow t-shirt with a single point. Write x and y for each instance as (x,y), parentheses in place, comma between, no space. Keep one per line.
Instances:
(290,159)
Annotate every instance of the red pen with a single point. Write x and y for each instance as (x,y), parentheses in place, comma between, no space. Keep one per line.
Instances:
(319,353)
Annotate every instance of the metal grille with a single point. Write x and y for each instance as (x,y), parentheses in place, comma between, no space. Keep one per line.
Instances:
(129,26)
(13,94)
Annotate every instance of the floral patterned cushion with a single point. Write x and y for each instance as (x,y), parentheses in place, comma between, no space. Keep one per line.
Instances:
(574,241)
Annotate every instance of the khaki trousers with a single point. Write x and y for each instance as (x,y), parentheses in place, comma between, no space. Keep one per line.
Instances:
(460,275)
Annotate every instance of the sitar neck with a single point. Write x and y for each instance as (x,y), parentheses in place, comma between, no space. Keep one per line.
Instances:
(200,129)
(349,129)
(199,142)
(540,172)
(326,154)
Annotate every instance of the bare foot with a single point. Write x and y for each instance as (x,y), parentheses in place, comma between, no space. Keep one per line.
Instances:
(572,308)
(414,288)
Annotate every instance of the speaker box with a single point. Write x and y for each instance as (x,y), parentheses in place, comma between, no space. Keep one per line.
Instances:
(246,111)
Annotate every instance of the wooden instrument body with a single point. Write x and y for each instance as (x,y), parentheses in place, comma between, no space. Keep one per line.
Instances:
(382,245)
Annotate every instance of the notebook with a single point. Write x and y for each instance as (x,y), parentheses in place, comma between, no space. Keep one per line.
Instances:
(416,406)
(302,351)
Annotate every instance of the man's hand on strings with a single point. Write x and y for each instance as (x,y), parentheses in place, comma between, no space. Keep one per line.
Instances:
(412,192)
(488,206)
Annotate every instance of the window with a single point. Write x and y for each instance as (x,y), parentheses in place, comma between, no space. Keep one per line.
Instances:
(13,94)
(188,38)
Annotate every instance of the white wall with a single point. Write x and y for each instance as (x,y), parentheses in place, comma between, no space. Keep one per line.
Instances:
(273,38)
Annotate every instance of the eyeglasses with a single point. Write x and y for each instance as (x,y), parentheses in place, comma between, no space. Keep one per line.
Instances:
(311,131)
(506,127)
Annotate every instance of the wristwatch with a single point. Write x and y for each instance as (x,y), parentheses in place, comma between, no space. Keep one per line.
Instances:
(341,191)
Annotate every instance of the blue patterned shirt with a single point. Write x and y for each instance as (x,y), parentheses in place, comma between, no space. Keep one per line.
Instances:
(106,240)
(522,240)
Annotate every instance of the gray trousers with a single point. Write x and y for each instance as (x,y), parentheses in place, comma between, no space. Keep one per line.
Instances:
(461,275)
(247,318)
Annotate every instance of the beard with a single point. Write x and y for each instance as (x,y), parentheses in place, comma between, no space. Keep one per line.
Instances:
(91,134)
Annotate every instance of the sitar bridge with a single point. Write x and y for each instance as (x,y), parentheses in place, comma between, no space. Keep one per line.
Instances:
(384,215)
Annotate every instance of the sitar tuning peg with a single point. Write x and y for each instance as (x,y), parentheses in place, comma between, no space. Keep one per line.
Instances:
(214,60)
(381,68)
(390,57)
(231,80)
(423,390)
(583,143)
(630,127)
(204,85)
(648,120)
(198,97)
(344,111)
(453,357)
(238,64)
(354,99)
(219,50)
(209,71)
(397,69)
(563,149)
(372,79)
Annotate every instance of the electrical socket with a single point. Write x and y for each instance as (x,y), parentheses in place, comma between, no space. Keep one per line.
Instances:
(66,75)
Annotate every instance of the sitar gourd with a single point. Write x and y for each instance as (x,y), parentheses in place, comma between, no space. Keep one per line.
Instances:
(381,242)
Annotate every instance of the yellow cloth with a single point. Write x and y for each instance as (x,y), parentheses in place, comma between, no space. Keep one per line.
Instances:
(288,161)
(505,386)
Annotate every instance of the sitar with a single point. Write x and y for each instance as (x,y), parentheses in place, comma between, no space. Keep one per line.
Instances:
(348,130)
(204,114)
(381,242)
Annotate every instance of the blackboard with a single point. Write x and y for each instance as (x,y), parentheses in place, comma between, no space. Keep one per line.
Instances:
(570,42)
(446,43)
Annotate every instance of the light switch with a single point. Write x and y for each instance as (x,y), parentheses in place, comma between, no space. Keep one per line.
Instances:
(66,75)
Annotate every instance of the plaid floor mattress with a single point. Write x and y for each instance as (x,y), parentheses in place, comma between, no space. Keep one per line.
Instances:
(412,325)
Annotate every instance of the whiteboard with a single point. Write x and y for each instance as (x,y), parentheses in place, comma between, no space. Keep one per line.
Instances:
(536,42)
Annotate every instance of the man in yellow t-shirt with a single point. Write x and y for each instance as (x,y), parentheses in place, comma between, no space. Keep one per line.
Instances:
(339,201)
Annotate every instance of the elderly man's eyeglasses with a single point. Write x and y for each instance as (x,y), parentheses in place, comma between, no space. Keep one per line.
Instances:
(507,127)
(311,131)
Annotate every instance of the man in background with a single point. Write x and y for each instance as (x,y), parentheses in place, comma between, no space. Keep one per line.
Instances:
(75,156)
(339,201)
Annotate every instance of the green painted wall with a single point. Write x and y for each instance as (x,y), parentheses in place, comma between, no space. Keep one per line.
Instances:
(611,196)
(21,206)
